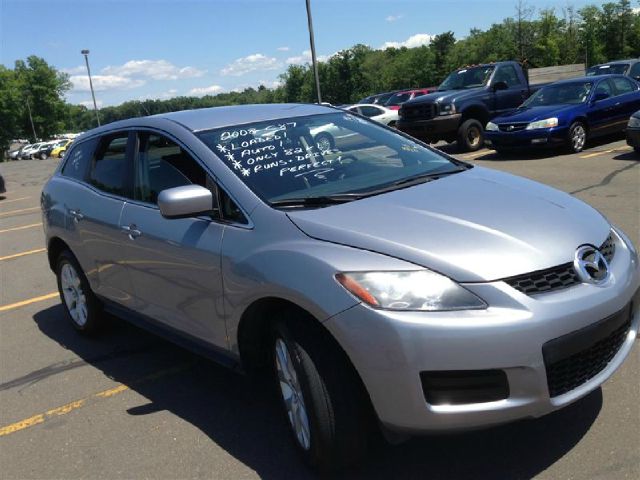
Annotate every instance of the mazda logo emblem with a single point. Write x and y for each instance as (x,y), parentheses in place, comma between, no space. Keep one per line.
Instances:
(590,265)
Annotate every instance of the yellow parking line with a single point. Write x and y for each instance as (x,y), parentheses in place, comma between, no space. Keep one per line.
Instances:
(602,152)
(4,202)
(7,214)
(22,254)
(29,301)
(70,407)
(23,227)
(471,156)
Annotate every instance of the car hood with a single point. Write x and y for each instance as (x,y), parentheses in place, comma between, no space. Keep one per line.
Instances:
(445,96)
(478,225)
(531,114)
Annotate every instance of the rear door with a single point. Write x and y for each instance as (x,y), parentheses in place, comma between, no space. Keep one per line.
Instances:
(174,264)
(627,101)
(94,214)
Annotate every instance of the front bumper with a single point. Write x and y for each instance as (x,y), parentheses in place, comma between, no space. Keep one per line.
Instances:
(539,138)
(390,350)
(438,128)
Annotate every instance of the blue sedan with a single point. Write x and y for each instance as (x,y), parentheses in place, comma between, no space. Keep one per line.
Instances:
(567,113)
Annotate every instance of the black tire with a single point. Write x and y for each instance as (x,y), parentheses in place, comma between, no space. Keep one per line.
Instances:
(324,141)
(334,400)
(636,149)
(392,124)
(470,136)
(92,322)
(577,137)
(43,156)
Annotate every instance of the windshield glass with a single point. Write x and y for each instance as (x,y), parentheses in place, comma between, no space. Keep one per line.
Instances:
(616,68)
(467,78)
(321,155)
(560,94)
(398,98)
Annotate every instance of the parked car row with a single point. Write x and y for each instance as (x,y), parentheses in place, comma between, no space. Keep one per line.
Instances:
(394,99)
(494,105)
(41,150)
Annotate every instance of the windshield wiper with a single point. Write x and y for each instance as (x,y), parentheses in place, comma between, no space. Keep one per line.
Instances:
(411,181)
(316,201)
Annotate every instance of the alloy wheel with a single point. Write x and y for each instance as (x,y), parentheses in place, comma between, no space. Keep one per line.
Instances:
(292,394)
(74,296)
(578,137)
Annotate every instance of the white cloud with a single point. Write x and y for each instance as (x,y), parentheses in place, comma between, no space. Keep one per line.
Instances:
(394,18)
(250,63)
(283,49)
(172,92)
(305,57)
(104,82)
(210,90)
(79,70)
(89,104)
(413,41)
(155,69)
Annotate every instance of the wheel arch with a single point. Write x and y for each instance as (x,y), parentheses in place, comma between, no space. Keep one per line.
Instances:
(54,248)
(475,112)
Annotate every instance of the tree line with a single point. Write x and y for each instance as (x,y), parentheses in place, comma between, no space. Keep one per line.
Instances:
(591,35)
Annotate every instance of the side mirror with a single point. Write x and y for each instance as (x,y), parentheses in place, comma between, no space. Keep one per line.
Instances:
(600,96)
(186,201)
(500,86)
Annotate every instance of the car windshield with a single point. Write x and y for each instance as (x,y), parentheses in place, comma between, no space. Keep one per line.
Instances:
(615,68)
(560,94)
(398,98)
(320,156)
(382,99)
(467,78)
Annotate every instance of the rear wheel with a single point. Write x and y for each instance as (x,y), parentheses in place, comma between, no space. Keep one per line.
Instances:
(321,395)
(81,305)
(470,135)
(43,156)
(577,137)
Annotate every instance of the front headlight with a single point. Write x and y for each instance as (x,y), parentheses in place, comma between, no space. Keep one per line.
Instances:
(546,123)
(634,122)
(491,127)
(421,290)
(447,109)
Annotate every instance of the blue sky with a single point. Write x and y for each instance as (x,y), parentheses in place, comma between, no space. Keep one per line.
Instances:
(159,49)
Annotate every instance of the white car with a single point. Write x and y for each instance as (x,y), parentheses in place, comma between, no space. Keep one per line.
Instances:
(376,112)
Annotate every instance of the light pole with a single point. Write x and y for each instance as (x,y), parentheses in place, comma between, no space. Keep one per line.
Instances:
(313,51)
(93,95)
(33,129)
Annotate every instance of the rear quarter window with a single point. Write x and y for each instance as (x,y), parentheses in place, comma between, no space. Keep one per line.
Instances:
(78,160)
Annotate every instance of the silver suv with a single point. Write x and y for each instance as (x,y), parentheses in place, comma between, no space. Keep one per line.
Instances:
(376,280)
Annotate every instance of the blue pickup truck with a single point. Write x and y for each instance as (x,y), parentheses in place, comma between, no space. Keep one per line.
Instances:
(463,104)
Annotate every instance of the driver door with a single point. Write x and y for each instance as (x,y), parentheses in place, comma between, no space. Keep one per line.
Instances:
(174,264)
(515,93)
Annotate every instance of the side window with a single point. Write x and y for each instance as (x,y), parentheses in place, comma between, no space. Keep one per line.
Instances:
(635,71)
(109,166)
(623,85)
(604,87)
(77,162)
(163,164)
(507,74)
(370,111)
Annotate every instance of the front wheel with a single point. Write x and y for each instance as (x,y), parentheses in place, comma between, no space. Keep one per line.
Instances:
(321,396)
(470,136)
(81,306)
(577,137)
(43,156)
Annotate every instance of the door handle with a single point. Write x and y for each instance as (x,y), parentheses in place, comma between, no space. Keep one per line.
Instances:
(132,231)
(77,216)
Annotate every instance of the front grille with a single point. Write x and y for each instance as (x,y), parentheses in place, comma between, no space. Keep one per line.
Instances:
(420,111)
(556,278)
(576,358)
(608,248)
(512,127)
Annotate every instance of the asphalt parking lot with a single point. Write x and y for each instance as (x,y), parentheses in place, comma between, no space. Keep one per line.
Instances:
(129,405)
